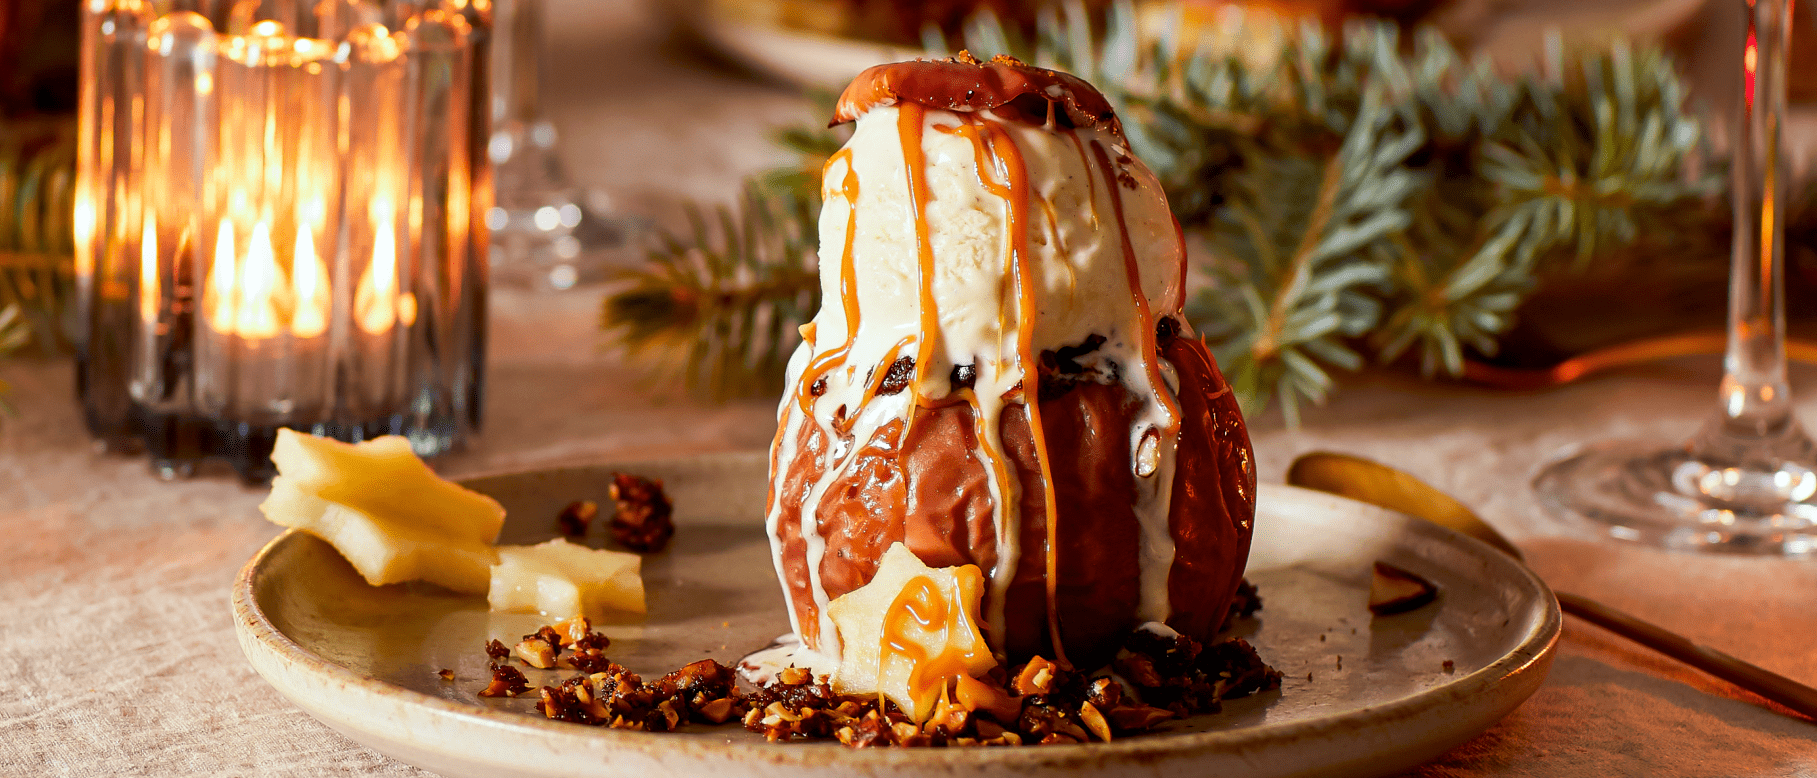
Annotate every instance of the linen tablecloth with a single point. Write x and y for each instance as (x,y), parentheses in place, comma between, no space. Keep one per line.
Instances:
(117,655)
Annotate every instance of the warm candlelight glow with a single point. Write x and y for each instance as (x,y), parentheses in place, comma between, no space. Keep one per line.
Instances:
(1750,60)
(148,269)
(85,233)
(242,298)
(328,148)
(256,310)
(375,299)
(215,301)
(309,279)
(249,297)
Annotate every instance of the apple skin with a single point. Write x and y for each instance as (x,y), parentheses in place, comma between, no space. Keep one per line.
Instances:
(931,493)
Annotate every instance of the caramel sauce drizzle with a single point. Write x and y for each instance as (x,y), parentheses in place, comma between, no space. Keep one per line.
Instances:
(921,602)
(994,150)
(1147,331)
(1015,172)
(848,290)
(909,122)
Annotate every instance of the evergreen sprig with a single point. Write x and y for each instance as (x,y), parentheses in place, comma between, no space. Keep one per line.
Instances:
(37,252)
(1348,196)
(37,248)
(730,295)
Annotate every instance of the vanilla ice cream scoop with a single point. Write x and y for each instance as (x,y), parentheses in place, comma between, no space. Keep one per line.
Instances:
(988,380)
(934,216)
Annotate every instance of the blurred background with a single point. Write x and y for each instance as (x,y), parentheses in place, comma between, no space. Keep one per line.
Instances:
(616,119)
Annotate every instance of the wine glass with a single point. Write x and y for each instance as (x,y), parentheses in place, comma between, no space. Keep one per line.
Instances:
(1747,482)
(547,233)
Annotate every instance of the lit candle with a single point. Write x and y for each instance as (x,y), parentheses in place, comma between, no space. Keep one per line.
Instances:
(149,298)
(255,311)
(375,299)
(309,280)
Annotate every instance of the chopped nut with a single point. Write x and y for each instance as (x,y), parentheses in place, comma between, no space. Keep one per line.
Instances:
(1055,705)
(1105,693)
(506,682)
(988,698)
(446,674)
(1094,721)
(537,653)
(572,630)
(574,520)
(643,520)
(716,711)
(1036,677)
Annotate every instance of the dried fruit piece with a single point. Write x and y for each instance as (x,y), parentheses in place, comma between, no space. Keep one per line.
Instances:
(507,681)
(1394,590)
(643,521)
(574,520)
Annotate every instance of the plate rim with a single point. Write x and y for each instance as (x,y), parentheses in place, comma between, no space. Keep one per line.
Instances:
(1535,649)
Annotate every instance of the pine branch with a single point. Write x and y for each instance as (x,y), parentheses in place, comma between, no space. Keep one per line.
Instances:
(37,210)
(1353,199)
(1299,248)
(720,309)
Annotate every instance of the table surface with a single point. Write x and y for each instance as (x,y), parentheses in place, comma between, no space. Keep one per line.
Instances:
(117,653)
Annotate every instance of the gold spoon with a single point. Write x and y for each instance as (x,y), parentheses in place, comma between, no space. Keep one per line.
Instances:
(1378,484)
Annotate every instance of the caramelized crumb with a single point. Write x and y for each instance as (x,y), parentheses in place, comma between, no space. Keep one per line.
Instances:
(643,521)
(506,682)
(1038,703)
(446,674)
(574,520)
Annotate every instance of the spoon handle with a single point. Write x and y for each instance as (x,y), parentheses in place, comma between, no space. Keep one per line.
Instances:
(1753,678)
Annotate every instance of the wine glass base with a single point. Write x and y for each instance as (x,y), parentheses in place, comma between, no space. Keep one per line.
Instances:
(1665,496)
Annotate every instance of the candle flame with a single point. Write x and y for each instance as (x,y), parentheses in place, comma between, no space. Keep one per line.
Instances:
(216,302)
(256,311)
(1750,60)
(85,233)
(309,279)
(148,269)
(375,299)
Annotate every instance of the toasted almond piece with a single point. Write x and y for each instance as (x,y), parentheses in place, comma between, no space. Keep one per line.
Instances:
(1094,721)
(536,653)
(1037,677)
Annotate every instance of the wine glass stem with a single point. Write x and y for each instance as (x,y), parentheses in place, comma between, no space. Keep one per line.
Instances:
(1755,398)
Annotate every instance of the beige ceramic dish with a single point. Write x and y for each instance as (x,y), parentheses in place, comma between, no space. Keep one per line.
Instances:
(1362,696)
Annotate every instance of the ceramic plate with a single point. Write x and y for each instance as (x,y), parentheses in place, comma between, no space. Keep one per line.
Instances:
(1362,696)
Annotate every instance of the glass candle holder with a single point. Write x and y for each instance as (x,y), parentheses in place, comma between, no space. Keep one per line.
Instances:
(274,216)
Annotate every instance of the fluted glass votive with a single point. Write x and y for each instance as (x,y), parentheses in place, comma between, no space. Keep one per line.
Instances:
(275,204)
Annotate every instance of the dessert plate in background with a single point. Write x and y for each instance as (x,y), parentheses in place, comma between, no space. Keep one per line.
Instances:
(1362,696)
